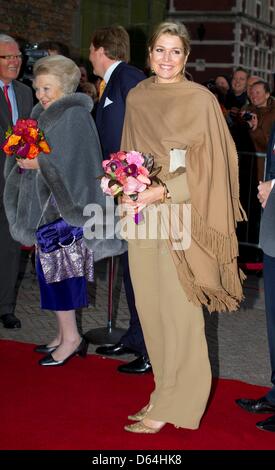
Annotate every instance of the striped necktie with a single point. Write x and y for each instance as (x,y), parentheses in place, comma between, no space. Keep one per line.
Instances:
(102,87)
(5,89)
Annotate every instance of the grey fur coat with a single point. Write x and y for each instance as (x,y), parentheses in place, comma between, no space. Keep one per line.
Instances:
(68,173)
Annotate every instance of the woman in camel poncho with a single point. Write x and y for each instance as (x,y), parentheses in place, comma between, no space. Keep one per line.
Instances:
(180,123)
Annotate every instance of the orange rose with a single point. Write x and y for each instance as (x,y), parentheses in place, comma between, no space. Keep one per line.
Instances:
(13,140)
(44,146)
(33,132)
(33,152)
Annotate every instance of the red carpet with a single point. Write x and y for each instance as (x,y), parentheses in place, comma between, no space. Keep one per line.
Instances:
(84,405)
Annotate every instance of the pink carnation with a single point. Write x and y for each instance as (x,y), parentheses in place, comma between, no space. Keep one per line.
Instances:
(133,186)
(135,158)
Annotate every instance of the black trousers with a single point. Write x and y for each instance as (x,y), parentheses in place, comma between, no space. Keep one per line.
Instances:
(133,338)
(269,288)
(10,253)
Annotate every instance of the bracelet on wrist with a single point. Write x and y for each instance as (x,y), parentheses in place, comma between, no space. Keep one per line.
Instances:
(166,194)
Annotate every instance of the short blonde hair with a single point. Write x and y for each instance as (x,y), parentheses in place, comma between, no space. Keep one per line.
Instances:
(175,29)
(63,68)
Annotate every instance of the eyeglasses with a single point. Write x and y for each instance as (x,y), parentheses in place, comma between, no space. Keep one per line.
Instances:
(11,57)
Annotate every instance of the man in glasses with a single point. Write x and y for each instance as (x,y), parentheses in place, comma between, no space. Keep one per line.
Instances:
(15,102)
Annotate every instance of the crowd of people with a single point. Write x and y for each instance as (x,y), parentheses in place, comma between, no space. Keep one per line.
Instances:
(191,135)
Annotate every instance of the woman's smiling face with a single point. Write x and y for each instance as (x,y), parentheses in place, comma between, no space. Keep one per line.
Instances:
(167,58)
(47,89)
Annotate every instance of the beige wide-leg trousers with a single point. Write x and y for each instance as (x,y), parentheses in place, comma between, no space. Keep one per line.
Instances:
(174,334)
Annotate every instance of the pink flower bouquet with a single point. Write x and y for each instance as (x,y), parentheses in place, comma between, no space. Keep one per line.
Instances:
(128,173)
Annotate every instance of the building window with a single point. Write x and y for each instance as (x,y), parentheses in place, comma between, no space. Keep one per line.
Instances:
(259,10)
(263,58)
(248,56)
(273,59)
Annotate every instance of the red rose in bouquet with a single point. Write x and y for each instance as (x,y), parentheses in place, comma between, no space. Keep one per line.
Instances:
(25,140)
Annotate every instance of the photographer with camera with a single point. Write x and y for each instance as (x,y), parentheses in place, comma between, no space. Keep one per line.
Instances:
(250,119)
(254,128)
(263,107)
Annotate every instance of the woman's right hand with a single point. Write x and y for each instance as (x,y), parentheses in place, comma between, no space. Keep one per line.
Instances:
(28,164)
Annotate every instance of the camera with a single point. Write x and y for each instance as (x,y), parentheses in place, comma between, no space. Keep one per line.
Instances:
(247,116)
(31,54)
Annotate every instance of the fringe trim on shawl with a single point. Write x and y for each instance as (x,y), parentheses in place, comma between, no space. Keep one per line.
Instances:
(225,248)
(227,298)
(214,300)
(239,212)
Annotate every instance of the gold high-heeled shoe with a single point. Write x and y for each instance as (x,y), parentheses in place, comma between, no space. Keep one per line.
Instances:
(141,413)
(141,428)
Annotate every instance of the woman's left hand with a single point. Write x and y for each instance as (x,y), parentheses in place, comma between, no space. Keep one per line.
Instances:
(28,164)
(150,196)
(145,198)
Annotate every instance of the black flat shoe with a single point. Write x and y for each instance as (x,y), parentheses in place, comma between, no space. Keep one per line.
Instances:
(260,405)
(81,350)
(117,349)
(267,425)
(44,349)
(10,321)
(141,365)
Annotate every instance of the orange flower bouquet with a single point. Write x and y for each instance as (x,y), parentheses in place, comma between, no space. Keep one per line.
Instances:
(25,140)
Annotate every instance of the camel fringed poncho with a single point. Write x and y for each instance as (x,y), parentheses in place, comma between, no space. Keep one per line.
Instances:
(185,115)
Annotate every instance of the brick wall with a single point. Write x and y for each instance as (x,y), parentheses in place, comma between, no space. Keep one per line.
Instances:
(39,20)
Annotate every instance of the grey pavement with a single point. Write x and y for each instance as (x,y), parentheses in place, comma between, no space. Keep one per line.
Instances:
(237,341)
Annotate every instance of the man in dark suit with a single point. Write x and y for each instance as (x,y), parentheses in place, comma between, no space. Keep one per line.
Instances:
(15,102)
(266,195)
(109,55)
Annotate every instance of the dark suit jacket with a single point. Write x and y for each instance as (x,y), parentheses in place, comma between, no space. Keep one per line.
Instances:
(24,101)
(111,107)
(267,230)
(270,156)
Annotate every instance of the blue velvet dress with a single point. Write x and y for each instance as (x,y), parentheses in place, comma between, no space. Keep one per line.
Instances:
(68,294)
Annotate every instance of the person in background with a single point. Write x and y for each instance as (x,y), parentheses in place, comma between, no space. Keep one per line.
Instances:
(15,102)
(250,82)
(266,196)
(235,100)
(84,75)
(223,84)
(60,184)
(90,89)
(109,55)
(263,107)
(54,48)
(180,123)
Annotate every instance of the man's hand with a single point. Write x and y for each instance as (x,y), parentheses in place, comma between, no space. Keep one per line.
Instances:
(264,190)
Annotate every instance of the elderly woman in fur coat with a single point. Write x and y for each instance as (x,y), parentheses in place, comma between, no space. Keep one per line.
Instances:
(59,185)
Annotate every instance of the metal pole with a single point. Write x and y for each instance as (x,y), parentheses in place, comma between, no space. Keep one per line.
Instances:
(110,334)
